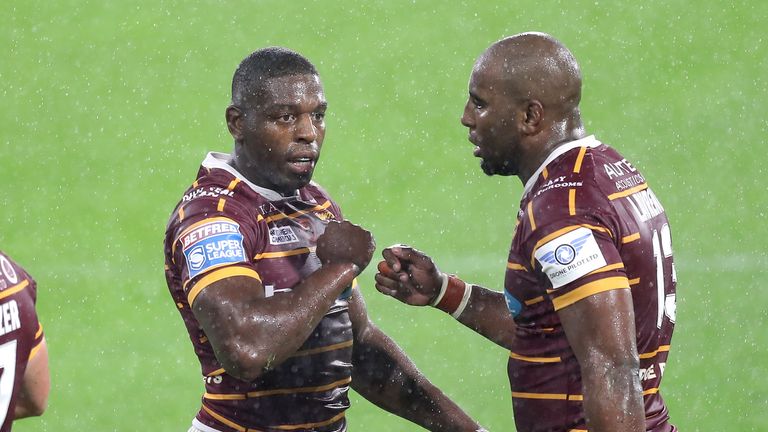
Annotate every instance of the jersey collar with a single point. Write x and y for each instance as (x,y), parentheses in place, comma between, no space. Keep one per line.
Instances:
(589,141)
(219,161)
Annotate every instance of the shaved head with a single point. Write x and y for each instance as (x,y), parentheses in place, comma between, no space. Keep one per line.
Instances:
(535,66)
(524,94)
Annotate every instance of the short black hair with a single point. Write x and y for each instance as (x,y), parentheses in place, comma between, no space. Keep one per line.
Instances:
(263,64)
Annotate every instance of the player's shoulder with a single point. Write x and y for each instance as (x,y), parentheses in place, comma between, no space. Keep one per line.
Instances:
(13,275)
(594,166)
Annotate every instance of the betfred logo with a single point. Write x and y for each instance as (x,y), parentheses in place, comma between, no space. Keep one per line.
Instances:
(209,229)
(212,244)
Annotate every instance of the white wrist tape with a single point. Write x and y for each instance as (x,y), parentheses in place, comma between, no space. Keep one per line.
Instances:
(464,300)
(442,290)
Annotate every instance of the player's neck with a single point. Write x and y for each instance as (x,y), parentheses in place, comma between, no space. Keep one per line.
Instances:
(559,135)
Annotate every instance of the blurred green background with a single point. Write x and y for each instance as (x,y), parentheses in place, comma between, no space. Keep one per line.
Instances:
(109,107)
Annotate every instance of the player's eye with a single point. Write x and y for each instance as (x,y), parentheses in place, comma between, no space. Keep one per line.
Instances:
(287,118)
(318,116)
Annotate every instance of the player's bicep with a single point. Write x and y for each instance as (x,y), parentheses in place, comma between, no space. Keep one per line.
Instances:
(225,297)
(224,309)
(601,329)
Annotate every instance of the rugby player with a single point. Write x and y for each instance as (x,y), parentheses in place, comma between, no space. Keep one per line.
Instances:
(588,307)
(262,267)
(24,376)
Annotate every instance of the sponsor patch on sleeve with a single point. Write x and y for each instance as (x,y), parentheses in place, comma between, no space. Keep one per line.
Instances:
(570,256)
(211,244)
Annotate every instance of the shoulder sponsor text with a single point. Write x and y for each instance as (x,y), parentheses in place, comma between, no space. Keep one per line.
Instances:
(570,256)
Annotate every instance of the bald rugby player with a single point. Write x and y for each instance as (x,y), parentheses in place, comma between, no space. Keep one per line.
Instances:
(588,306)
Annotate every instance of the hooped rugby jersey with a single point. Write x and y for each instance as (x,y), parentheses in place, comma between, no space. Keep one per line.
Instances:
(21,334)
(225,226)
(588,223)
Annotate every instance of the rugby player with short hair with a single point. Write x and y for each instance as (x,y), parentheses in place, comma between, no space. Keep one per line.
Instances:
(588,307)
(24,376)
(262,267)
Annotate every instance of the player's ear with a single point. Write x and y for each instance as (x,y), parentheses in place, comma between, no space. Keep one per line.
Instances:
(234,117)
(534,111)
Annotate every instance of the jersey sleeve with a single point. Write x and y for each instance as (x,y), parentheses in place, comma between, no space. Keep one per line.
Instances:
(213,242)
(574,251)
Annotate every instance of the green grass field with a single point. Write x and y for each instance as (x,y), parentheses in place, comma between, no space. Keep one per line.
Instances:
(109,107)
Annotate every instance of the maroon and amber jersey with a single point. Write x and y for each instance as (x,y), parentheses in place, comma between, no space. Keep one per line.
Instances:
(226,226)
(588,223)
(20,333)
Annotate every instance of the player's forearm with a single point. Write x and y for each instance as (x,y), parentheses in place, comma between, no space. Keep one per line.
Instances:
(385,376)
(487,314)
(613,399)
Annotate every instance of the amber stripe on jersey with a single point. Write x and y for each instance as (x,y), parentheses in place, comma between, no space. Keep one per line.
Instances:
(233,183)
(220,205)
(14,289)
(630,238)
(227,421)
(650,391)
(552,396)
(588,289)
(273,392)
(279,216)
(515,266)
(579,160)
(35,349)
(534,300)
(530,216)
(517,356)
(572,202)
(280,254)
(39,330)
(652,354)
(218,275)
(318,350)
(627,192)
(607,268)
(216,372)
(331,420)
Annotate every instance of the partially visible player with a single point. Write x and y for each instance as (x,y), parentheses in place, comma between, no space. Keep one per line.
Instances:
(262,265)
(588,308)
(24,376)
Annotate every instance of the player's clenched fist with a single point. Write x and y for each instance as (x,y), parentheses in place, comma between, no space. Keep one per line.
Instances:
(408,275)
(345,242)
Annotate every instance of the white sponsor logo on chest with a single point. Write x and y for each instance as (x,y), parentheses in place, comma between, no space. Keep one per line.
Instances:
(282,235)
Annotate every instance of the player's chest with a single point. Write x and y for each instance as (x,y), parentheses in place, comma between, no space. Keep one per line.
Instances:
(285,250)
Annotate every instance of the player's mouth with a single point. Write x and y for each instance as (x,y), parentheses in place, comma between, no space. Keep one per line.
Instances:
(302,164)
(477,150)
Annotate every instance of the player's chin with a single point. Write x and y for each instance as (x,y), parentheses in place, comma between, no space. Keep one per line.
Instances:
(496,169)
